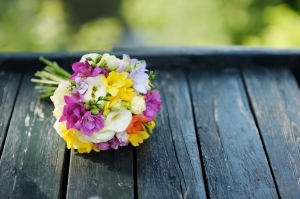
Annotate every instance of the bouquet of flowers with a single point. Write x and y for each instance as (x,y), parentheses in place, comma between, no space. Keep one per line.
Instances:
(106,103)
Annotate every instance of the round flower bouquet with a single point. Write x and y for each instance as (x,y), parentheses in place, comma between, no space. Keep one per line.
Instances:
(106,103)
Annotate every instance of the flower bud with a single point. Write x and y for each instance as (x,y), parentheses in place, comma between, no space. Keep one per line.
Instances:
(116,107)
(95,111)
(103,64)
(113,68)
(138,104)
(73,83)
(126,105)
(100,106)
(89,59)
(92,101)
(98,59)
(87,106)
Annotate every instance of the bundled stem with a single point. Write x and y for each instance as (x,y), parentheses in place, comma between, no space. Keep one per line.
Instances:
(49,78)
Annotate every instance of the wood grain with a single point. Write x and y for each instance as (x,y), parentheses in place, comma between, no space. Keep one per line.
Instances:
(9,84)
(108,174)
(168,164)
(234,159)
(32,159)
(275,98)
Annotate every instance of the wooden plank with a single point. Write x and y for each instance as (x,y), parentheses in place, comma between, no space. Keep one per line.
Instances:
(234,159)
(32,159)
(9,84)
(275,99)
(168,164)
(108,174)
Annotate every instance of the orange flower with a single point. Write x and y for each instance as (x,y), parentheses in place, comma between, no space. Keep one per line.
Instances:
(136,124)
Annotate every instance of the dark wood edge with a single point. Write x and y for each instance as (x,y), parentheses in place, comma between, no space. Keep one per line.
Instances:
(166,57)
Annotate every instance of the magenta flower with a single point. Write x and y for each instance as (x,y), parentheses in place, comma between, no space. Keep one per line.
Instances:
(84,69)
(140,78)
(153,104)
(72,112)
(103,146)
(89,123)
(114,143)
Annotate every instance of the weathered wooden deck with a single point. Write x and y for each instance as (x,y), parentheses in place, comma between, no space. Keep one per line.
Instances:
(229,128)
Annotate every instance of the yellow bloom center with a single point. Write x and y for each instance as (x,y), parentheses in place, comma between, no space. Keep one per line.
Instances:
(115,81)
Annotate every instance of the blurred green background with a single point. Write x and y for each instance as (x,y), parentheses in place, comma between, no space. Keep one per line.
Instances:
(77,25)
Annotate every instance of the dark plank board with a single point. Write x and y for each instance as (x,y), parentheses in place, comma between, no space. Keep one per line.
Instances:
(275,99)
(234,159)
(9,84)
(108,174)
(32,159)
(168,164)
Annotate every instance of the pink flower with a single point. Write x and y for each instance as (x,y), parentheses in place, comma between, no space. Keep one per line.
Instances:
(72,112)
(84,69)
(153,104)
(89,123)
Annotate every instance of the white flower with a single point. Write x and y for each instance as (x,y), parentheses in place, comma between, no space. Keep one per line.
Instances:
(59,126)
(91,55)
(138,104)
(100,88)
(118,121)
(58,98)
(102,136)
(111,60)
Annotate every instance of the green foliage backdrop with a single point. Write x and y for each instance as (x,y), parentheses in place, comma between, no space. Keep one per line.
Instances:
(76,25)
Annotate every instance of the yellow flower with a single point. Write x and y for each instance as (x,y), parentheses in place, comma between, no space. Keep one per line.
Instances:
(74,143)
(126,94)
(115,81)
(137,138)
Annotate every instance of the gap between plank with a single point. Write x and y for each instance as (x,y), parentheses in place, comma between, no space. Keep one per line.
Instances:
(65,176)
(10,116)
(198,139)
(135,183)
(257,126)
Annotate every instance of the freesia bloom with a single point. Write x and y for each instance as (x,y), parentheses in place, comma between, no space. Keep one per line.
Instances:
(118,120)
(120,139)
(72,112)
(84,69)
(138,138)
(89,123)
(58,98)
(115,81)
(138,104)
(96,88)
(74,143)
(153,104)
(82,84)
(136,124)
(140,79)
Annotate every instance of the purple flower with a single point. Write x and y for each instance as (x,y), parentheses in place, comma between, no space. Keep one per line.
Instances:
(140,78)
(103,146)
(84,69)
(153,104)
(72,112)
(89,123)
(120,139)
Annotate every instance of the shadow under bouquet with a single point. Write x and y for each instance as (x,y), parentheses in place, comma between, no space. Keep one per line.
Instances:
(106,103)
